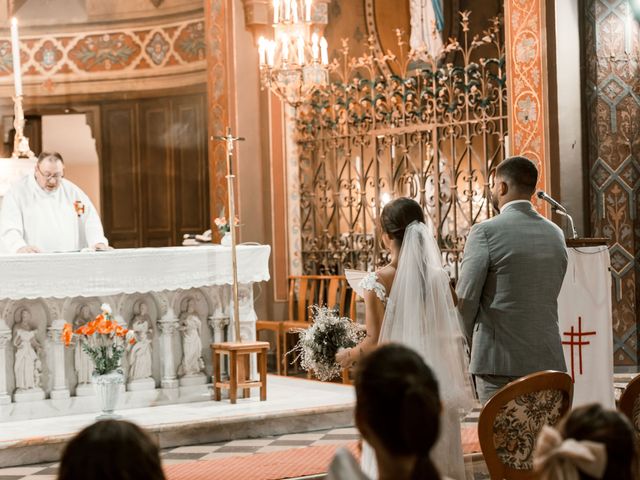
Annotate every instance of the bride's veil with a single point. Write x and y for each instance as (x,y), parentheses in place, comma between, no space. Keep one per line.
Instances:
(420,314)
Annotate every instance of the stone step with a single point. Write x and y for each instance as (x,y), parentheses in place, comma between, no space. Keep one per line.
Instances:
(293,405)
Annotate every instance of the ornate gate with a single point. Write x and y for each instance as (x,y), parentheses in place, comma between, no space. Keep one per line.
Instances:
(434,133)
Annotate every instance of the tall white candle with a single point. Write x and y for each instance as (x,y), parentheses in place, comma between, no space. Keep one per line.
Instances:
(15,49)
(262,51)
(285,49)
(271,52)
(276,11)
(314,46)
(300,50)
(307,10)
(323,51)
(287,10)
(294,10)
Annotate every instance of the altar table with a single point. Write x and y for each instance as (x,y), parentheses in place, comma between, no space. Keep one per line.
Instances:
(173,283)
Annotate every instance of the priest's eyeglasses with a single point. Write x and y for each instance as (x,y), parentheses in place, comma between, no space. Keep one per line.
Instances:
(47,176)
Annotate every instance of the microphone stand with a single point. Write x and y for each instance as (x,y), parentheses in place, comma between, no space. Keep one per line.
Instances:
(569,218)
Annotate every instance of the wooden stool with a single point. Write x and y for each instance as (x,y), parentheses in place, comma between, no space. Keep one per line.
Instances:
(239,368)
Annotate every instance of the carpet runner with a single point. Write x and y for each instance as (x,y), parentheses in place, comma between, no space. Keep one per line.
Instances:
(292,463)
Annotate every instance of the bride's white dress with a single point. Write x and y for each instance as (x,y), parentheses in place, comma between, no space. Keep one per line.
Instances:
(419,313)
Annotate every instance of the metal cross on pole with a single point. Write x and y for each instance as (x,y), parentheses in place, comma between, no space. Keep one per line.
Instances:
(229,139)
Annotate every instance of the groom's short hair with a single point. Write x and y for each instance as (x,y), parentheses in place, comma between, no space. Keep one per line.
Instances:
(520,173)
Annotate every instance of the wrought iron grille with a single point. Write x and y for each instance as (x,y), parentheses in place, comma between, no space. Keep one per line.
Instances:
(434,133)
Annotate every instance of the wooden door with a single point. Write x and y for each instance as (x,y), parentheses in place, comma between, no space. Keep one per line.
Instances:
(154,170)
(120,173)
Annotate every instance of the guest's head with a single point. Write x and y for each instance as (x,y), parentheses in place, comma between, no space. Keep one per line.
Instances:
(515,179)
(592,441)
(398,408)
(396,216)
(49,171)
(111,450)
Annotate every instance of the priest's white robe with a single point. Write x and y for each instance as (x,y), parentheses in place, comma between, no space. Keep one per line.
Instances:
(59,221)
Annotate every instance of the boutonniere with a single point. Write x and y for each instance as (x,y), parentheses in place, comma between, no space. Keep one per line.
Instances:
(79,207)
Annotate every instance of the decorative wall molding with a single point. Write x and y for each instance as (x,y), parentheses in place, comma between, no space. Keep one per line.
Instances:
(612,89)
(51,64)
(525,23)
(219,68)
(61,376)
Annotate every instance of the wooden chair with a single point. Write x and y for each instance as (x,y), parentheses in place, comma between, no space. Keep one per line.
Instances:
(304,291)
(629,403)
(348,373)
(329,290)
(510,422)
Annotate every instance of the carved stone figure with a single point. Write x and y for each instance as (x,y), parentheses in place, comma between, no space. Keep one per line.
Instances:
(139,354)
(190,325)
(83,362)
(27,366)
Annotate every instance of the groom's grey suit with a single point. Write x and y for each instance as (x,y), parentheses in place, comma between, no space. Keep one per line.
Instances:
(511,274)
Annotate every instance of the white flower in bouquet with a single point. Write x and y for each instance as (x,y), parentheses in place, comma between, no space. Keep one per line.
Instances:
(106,308)
(317,345)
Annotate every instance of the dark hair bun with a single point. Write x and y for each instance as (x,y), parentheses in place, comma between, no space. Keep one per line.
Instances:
(398,214)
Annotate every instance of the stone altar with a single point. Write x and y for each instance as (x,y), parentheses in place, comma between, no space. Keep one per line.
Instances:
(39,293)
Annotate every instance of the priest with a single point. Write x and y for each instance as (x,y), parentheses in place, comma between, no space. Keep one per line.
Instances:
(44,212)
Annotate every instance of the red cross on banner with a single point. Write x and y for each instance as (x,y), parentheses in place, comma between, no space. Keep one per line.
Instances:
(576,340)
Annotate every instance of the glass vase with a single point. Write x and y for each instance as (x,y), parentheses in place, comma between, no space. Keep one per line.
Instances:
(108,390)
(226,239)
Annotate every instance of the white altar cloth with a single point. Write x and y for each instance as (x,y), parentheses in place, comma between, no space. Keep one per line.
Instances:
(141,270)
(585,319)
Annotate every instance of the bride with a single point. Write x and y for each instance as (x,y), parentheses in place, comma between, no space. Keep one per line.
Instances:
(409,301)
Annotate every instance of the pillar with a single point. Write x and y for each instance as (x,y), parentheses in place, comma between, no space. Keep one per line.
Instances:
(219,52)
(168,326)
(5,337)
(59,389)
(531,87)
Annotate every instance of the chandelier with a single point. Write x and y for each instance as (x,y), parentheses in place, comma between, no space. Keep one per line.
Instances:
(294,63)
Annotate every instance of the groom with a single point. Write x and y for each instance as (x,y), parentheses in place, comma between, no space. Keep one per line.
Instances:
(511,274)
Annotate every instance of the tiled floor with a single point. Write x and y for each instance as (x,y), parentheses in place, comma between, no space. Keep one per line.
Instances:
(210,452)
(221,450)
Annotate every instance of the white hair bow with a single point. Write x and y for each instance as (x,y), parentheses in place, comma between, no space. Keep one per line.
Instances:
(555,458)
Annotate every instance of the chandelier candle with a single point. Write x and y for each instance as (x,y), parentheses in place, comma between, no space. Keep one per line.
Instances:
(294,60)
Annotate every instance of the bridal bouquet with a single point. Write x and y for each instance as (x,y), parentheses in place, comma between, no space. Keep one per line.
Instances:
(317,345)
(102,339)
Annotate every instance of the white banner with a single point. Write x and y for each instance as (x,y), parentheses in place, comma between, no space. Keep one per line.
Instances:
(585,321)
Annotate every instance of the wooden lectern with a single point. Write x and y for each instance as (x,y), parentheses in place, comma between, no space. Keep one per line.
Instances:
(586,242)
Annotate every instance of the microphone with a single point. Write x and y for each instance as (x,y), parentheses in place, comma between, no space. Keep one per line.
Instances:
(558,209)
(556,205)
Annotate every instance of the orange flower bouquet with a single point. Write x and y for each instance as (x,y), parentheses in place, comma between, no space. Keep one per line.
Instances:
(102,339)
(223,224)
